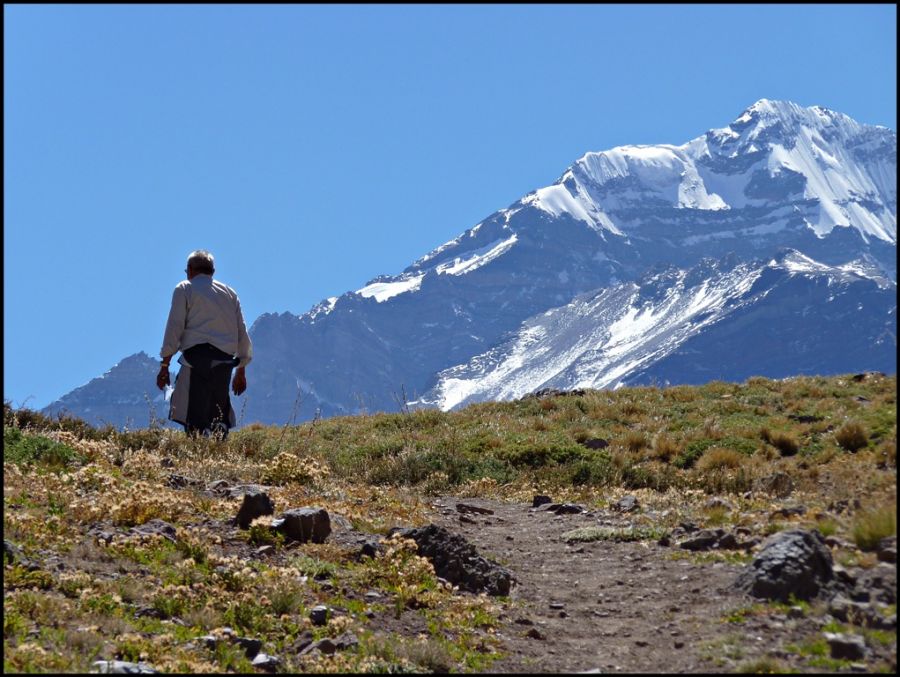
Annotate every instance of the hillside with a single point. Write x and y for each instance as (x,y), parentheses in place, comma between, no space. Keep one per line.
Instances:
(122,546)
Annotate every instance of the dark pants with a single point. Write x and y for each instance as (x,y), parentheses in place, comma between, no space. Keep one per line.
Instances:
(209,406)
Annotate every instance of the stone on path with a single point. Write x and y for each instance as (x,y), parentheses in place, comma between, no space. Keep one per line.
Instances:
(795,562)
(456,560)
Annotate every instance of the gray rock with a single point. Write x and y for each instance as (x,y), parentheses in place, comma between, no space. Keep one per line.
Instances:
(626,504)
(716,502)
(122,668)
(256,504)
(876,584)
(566,508)
(145,611)
(240,490)
(302,642)
(251,647)
(326,646)
(790,562)
(11,552)
(727,542)
(887,549)
(457,561)
(217,486)
(266,662)
(466,507)
(850,611)
(534,633)
(176,481)
(705,539)
(789,511)
(156,527)
(846,647)
(304,524)
(318,615)
(346,641)
(779,484)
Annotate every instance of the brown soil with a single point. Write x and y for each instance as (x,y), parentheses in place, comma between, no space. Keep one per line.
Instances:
(626,607)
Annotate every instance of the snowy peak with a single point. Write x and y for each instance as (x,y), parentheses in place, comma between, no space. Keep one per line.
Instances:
(777,168)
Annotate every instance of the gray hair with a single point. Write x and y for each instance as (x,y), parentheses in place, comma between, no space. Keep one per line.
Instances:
(201,261)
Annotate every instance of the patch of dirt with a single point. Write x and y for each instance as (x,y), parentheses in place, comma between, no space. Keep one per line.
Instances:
(615,606)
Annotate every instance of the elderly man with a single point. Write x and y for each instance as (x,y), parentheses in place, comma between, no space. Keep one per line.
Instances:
(206,324)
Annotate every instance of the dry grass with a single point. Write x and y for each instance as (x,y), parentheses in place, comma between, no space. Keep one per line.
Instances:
(870,526)
(717,458)
(671,447)
(852,436)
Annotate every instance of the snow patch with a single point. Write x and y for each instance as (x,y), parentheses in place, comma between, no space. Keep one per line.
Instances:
(382,291)
(477,258)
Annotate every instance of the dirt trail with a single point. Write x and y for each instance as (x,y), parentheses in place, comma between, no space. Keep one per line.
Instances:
(607,606)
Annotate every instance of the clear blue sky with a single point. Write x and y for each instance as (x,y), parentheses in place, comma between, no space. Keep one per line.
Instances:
(311,148)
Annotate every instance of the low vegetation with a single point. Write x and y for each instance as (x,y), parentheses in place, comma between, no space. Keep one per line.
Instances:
(73,595)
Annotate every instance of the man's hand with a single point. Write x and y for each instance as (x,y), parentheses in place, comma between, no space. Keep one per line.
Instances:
(239,382)
(162,378)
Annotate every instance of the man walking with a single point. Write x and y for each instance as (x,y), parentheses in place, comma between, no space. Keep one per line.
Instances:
(206,324)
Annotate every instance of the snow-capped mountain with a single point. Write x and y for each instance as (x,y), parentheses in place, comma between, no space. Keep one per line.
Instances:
(553,278)
(686,324)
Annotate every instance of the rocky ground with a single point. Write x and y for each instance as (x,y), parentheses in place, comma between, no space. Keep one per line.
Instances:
(599,590)
(607,606)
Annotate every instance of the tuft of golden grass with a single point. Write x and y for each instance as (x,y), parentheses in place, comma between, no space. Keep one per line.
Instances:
(852,436)
(786,443)
(717,458)
(871,525)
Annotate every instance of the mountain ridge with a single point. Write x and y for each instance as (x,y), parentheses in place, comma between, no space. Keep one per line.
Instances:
(778,177)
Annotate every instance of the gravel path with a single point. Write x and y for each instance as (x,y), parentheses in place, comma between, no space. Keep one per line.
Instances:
(601,606)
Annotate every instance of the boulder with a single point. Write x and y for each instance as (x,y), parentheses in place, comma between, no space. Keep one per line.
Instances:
(705,539)
(256,504)
(457,561)
(795,562)
(846,647)
(779,484)
(626,504)
(304,524)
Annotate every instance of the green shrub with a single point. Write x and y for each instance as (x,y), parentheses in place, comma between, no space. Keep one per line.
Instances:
(24,449)
(540,453)
(693,451)
(596,471)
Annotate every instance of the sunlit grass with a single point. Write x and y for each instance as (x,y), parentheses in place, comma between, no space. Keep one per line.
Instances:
(66,483)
